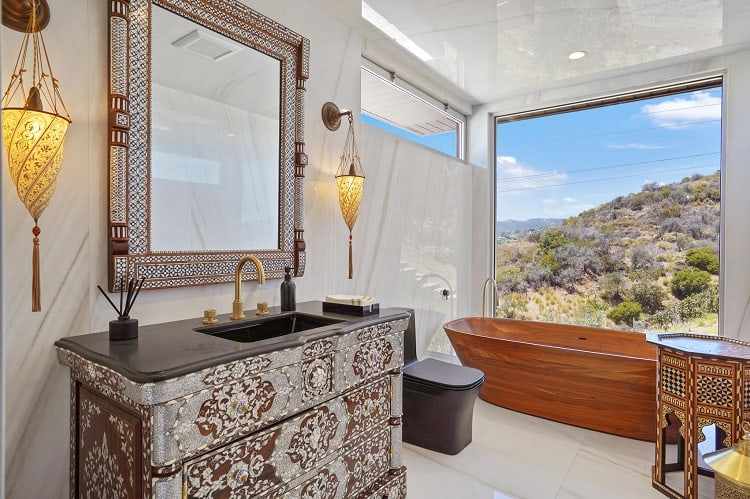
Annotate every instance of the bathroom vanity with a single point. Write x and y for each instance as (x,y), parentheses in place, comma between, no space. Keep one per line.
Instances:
(240,409)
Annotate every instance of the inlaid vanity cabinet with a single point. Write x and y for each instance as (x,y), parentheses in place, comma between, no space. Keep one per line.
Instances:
(209,417)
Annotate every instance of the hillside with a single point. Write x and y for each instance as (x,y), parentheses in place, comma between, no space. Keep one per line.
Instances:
(649,257)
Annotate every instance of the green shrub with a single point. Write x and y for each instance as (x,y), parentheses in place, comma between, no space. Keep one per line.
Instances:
(699,304)
(672,211)
(649,296)
(704,259)
(625,313)
(689,281)
(549,261)
(612,286)
(551,239)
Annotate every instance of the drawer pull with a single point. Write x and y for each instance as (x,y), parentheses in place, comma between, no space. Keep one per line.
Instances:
(242,407)
(242,476)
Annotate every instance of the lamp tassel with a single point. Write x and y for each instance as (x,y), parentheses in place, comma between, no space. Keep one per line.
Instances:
(36,286)
(351,265)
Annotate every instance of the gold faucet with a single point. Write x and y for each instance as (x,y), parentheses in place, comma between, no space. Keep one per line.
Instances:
(495,297)
(237,312)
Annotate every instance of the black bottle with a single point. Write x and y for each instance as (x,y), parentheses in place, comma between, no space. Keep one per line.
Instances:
(288,299)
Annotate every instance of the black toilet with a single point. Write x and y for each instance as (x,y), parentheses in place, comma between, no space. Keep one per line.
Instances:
(438,400)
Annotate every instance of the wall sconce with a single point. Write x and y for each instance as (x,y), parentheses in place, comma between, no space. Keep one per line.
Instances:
(33,137)
(350,177)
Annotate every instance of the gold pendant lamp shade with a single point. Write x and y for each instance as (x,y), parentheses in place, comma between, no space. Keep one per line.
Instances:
(732,467)
(350,177)
(33,137)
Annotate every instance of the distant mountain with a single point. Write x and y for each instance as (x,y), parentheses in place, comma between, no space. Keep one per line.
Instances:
(526,225)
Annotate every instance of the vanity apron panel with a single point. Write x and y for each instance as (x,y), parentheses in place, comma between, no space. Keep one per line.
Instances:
(116,385)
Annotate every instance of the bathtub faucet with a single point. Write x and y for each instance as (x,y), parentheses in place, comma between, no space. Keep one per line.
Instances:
(495,297)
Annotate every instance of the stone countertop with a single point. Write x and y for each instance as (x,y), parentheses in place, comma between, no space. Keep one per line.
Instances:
(170,349)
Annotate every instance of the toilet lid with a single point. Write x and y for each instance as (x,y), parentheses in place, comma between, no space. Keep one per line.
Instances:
(436,372)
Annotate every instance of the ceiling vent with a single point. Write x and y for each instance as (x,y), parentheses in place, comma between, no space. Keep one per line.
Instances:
(207,45)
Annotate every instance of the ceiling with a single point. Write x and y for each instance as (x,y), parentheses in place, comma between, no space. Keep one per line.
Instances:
(488,49)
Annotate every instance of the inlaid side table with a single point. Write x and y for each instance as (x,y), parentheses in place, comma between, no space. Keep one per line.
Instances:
(701,380)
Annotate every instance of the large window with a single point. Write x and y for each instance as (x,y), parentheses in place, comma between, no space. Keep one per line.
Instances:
(607,212)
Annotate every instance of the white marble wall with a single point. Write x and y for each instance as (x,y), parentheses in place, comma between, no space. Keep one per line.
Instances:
(413,228)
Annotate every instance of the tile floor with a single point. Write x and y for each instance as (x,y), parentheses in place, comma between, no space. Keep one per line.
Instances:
(514,455)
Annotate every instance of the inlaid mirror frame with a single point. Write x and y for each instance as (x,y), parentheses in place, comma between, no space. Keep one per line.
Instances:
(130,254)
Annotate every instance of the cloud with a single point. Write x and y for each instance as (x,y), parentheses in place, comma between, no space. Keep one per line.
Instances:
(513,177)
(635,145)
(681,111)
(647,182)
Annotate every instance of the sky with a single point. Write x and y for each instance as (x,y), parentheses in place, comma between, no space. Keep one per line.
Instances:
(560,165)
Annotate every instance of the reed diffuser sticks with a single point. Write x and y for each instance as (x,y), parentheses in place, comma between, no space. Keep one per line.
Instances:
(134,287)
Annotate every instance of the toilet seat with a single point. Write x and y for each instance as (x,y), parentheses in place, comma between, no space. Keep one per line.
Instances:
(438,374)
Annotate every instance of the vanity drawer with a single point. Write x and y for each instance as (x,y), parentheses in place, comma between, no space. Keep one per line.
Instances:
(288,451)
(371,356)
(215,416)
(352,474)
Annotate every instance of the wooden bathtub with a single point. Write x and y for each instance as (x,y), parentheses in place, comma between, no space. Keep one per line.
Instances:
(600,379)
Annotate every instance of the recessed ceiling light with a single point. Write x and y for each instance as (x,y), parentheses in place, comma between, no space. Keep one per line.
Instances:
(578,54)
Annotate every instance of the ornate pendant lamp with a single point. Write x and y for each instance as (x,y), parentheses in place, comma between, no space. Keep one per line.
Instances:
(33,137)
(350,177)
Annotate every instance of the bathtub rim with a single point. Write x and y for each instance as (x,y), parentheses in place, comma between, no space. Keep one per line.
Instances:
(446,327)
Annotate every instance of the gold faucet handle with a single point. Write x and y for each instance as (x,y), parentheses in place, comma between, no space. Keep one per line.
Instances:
(262,308)
(210,316)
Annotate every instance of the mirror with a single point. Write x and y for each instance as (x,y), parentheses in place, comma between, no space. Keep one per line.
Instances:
(207,155)
(214,140)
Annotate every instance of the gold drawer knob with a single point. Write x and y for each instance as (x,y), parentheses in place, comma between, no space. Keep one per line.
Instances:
(242,407)
(242,476)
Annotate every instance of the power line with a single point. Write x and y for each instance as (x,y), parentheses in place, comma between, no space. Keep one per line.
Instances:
(695,167)
(620,165)
(673,109)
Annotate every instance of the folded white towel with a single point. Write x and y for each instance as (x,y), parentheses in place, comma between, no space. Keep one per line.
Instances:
(351,299)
